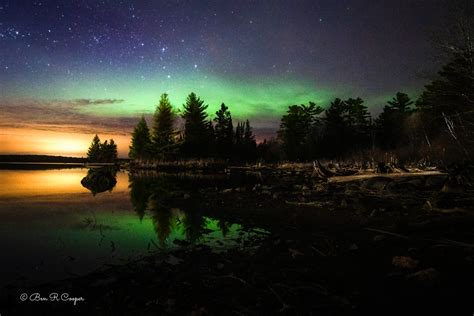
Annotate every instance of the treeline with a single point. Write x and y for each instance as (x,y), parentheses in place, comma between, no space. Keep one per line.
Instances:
(343,129)
(40,158)
(201,137)
(102,152)
(438,126)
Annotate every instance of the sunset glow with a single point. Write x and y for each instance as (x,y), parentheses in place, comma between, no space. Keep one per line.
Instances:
(40,142)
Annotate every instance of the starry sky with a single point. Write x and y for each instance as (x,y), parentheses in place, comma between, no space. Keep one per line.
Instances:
(70,69)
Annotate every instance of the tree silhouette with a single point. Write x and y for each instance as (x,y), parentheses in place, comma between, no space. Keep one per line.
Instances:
(250,145)
(163,128)
(196,127)
(401,103)
(94,150)
(358,114)
(162,220)
(140,189)
(337,129)
(447,104)
(224,132)
(359,123)
(112,151)
(141,143)
(390,123)
(295,129)
(102,152)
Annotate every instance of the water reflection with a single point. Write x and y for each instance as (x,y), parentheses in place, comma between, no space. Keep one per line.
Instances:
(47,217)
(159,196)
(100,180)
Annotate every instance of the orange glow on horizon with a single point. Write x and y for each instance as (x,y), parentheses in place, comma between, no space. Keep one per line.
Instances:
(21,183)
(38,142)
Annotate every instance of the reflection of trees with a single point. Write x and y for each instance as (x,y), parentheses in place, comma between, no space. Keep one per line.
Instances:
(140,191)
(158,195)
(223,226)
(162,219)
(194,225)
(153,194)
(100,180)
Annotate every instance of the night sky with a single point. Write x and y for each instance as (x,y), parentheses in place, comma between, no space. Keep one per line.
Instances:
(70,69)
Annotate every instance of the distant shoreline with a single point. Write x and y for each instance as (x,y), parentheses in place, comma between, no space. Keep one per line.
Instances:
(42,162)
(41,158)
(46,159)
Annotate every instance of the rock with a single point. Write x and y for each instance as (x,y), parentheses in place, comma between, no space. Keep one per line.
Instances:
(186,196)
(403,262)
(275,195)
(173,260)
(227,191)
(426,277)
(266,192)
(99,180)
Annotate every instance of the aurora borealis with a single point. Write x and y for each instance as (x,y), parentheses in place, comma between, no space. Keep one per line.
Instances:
(70,69)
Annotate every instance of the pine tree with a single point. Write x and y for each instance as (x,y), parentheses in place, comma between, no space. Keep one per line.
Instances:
(112,151)
(359,124)
(103,152)
(93,153)
(401,103)
(163,128)
(141,143)
(224,132)
(196,127)
(337,132)
(250,144)
(295,129)
(211,139)
(390,123)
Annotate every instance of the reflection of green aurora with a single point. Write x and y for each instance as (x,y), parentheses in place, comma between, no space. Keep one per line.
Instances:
(153,196)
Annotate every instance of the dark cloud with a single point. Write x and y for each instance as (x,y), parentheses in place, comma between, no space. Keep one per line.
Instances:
(96,101)
(62,115)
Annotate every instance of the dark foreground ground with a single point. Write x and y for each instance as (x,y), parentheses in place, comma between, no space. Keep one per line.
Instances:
(385,245)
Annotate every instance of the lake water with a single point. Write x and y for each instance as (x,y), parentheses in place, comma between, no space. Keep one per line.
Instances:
(53,227)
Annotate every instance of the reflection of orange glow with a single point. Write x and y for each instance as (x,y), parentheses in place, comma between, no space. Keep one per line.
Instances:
(27,141)
(49,182)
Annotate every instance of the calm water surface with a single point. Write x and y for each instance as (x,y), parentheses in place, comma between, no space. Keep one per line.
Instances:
(52,227)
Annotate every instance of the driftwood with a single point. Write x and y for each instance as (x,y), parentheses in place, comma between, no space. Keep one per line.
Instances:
(322,172)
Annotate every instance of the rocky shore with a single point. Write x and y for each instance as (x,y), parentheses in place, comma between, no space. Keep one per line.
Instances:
(383,243)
